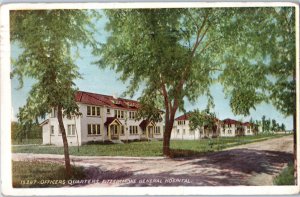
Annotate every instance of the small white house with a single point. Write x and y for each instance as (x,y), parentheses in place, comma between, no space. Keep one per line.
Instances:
(226,128)
(250,128)
(181,130)
(231,128)
(103,118)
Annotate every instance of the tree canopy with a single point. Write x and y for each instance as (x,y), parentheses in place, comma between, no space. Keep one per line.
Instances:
(47,38)
(180,53)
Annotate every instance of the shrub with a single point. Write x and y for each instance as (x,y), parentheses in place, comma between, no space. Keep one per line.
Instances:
(286,177)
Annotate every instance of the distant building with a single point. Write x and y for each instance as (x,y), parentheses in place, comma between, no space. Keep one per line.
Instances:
(103,118)
(226,128)
(250,128)
(181,129)
(232,128)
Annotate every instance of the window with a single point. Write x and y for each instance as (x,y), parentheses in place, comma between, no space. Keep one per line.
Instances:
(52,130)
(157,130)
(132,115)
(93,111)
(229,131)
(181,122)
(183,131)
(89,129)
(108,111)
(178,131)
(192,132)
(94,129)
(71,129)
(89,110)
(53,113)
(119,114)
(133,130)
(122,130)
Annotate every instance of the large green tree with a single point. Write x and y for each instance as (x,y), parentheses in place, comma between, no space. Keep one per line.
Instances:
(178,53)
(275,81)
(46,39)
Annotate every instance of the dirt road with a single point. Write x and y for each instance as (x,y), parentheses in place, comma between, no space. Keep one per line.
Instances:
(249,164)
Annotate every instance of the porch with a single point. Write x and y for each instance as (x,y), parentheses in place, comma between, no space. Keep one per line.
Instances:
(114,128)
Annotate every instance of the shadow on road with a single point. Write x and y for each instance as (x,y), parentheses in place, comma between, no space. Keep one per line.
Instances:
(247,160)
(225,168)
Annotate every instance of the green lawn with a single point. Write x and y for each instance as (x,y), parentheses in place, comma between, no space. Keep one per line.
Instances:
(39,174)
(27,141)
(147,149)
(286,177)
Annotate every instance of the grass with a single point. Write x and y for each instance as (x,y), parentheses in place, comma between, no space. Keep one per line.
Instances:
(40,174)
(147,149)
(27,141)
(286,177)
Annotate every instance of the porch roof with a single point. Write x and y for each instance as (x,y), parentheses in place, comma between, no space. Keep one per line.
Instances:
(110,120)
(44,122)
(145,123)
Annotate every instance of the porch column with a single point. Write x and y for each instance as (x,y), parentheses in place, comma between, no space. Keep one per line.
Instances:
(109,135)
(147,132)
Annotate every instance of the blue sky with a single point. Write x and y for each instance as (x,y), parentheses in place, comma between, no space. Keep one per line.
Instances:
(105,81)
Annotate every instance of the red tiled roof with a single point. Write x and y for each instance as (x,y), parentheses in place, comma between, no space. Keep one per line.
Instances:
(248,124)
(231,121)
(187,116)
(105,100)
(183,117)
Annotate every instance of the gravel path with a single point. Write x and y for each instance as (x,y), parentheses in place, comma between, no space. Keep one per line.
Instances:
(250,164)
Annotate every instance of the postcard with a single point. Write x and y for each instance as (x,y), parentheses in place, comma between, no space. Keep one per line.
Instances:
(143,98)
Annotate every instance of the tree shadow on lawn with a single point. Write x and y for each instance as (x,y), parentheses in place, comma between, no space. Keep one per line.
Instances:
(247,160)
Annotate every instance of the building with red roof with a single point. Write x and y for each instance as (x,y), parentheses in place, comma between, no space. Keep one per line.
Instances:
(103,117)
(222,128)
(250,128)
(181,129)
(232,128)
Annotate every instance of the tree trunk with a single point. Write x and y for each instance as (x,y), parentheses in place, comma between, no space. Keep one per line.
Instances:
(167,136)
(65,142)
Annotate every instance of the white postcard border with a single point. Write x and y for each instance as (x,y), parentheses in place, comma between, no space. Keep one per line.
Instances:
(5,107)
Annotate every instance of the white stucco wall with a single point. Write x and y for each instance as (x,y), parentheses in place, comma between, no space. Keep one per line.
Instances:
(182,132)
(56,138)
(225,131)
(248,130)
(85,120)
(82,127)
